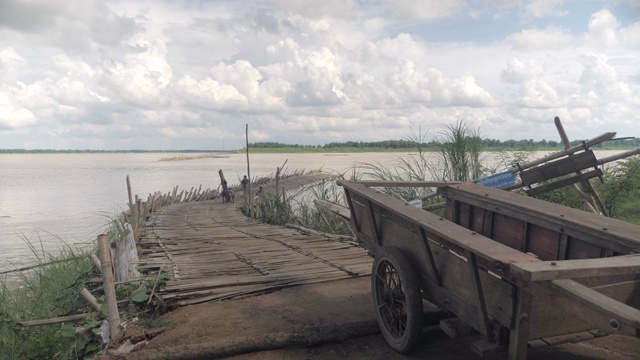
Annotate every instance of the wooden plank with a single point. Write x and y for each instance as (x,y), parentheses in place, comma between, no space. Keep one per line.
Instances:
(337,209)
(571,269)
(595,308)
(559,168)
(380,183)
(519,331)
(564,182)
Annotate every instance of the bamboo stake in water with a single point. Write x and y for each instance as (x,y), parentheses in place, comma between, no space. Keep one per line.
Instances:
(109,288)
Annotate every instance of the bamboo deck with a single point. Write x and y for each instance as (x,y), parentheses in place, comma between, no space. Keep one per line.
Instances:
(213,252)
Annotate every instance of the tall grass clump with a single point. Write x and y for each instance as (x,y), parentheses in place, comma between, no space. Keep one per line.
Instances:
(458,157)
(312,217)
(274,210)
(459,148)
(49,290)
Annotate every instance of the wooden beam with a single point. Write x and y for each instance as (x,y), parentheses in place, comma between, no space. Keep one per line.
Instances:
(564,182)
(571,269)
(380,183)
(337,209)
(591,306)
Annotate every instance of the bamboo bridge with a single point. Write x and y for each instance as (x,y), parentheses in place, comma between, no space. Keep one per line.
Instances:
(213,252)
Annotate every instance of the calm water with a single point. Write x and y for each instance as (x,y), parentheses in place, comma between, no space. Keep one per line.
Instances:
(48,199)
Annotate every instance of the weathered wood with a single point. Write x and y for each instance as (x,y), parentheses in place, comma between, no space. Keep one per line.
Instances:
(571,269)
(598,230)
(519,332)
(559,168)
(564,182)
(109,289)
(337,209)
(597,309)
(381,183)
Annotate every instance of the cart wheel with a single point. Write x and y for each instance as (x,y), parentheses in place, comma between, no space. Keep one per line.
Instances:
(397,300)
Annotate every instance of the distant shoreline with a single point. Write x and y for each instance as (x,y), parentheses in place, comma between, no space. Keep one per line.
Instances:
(292,150)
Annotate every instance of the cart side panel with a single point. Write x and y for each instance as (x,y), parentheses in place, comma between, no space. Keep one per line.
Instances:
(365,231)
(579,249)
(543,242)
(509,231)
(457,279)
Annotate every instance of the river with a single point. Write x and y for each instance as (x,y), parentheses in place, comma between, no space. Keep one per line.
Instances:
(47,200)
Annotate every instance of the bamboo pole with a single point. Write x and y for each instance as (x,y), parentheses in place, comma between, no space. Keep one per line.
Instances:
(248,168)
(57,320)
(95,260)
(109,288)
(130,197)
(90,298)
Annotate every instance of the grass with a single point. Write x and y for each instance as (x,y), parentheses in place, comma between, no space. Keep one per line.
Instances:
(47,291)
(52,289)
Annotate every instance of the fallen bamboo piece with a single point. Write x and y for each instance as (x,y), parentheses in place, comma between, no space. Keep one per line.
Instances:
(95,260)
(90,298)
(153,289)
(57,320)
(315,232)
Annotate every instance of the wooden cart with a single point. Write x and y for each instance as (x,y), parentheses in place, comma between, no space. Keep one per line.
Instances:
(515,269)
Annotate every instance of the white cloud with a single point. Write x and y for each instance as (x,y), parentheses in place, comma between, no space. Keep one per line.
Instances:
(544,8)
(425,9)
(603,27)
(540,39)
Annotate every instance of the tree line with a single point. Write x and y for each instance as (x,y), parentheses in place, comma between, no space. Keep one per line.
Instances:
(408,144)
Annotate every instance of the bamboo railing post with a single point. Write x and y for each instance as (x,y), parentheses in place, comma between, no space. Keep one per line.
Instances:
(109,288)
(248,168)
(130,199)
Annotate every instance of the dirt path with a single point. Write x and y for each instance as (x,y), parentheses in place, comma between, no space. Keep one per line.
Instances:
(199,331)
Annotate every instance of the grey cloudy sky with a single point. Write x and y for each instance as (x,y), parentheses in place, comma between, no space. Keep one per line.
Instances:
(127,74)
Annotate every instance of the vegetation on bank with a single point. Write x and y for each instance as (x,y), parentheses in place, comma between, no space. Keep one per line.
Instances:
(52,288)
(458,155)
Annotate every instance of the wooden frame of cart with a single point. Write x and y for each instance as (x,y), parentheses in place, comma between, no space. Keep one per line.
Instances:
(516,269)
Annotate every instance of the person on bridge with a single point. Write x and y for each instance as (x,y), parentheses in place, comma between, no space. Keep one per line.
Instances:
(245,185)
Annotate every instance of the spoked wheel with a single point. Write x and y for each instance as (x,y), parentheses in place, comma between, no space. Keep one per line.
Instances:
(397,300)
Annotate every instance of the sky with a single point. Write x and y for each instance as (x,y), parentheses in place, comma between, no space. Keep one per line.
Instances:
(189,74)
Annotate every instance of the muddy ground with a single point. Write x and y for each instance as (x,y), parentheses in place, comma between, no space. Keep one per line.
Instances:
(338,311)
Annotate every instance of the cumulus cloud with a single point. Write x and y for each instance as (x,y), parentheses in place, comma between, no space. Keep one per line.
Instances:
(603,27)
(300,71)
